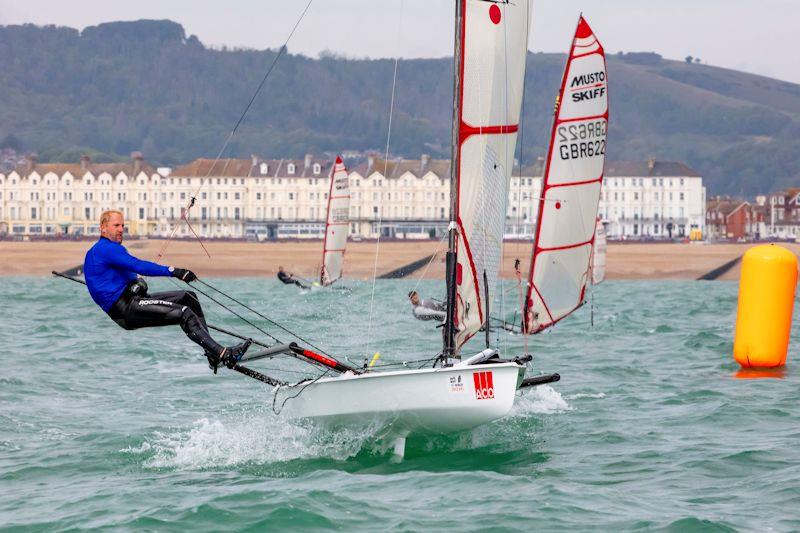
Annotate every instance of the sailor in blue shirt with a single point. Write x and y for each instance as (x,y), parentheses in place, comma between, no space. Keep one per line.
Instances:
(111,276)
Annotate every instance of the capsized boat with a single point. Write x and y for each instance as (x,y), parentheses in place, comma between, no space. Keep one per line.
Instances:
(460,391)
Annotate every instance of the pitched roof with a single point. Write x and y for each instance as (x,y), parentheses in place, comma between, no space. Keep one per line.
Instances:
(244,168)
(662,169)
(726,206)
(78,171)
(397,167)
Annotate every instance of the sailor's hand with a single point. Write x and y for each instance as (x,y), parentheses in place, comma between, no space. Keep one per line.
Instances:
(184,274)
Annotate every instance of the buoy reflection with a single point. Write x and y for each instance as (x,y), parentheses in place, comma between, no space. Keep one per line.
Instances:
(778,372)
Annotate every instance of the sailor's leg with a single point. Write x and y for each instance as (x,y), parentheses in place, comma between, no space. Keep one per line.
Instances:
(187,298)
(151,311)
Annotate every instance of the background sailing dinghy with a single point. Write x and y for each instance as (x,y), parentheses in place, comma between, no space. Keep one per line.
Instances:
(460,392)
(599,254)
(337,225)
(565,231)
(337,229)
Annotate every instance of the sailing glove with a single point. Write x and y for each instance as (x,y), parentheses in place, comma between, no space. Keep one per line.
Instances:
(184,274)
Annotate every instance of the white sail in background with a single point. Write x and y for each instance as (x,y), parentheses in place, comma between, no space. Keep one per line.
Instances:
(337,224)
(494,43)
(599,254)
(571,189)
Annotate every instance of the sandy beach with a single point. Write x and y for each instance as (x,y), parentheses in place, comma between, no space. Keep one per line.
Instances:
(624,261)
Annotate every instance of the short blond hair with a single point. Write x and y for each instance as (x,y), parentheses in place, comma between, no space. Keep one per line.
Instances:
(104,218)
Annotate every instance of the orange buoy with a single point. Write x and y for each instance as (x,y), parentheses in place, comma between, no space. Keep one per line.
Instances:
(766,300)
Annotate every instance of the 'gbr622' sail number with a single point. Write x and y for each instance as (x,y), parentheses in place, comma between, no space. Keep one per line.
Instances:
(586,139)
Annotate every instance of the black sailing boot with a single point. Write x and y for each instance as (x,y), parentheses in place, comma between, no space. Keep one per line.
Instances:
(233,354)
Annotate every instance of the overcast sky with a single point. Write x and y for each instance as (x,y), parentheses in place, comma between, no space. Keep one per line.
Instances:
(757,36)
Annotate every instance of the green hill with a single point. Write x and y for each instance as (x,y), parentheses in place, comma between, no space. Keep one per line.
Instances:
(124,86)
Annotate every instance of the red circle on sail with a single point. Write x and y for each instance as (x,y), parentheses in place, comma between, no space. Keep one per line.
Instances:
(558,205)
(494,13)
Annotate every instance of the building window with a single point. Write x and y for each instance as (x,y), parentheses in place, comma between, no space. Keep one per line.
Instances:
(87,213)
(317,169)
(236,214)
(290,168)
(141,213)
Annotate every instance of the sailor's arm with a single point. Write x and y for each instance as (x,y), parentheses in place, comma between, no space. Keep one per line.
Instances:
(121,258)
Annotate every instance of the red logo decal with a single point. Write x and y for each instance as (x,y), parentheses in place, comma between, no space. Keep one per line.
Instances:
(484,387)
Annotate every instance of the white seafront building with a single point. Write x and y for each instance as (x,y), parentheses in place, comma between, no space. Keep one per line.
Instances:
(287,198)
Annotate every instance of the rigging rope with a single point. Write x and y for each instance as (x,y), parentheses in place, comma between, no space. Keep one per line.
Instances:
(193,198)
(385,171)
(260,315)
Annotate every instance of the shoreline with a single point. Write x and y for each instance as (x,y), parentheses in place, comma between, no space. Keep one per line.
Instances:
(253,259)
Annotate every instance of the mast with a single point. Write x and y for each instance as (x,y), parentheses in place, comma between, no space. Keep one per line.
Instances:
(450,275)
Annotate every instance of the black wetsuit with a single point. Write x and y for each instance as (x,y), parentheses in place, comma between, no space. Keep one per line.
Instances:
(134,311)
(289,280)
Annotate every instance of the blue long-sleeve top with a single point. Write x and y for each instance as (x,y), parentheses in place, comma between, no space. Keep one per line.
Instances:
(109,268)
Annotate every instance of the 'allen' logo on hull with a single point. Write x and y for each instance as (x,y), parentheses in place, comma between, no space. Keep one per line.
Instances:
(484,388)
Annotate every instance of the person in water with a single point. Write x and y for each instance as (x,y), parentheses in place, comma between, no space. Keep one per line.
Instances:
(289,278)
(422,307)
(111,277)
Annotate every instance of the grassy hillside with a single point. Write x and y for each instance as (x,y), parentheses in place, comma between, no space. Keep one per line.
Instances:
(145,85)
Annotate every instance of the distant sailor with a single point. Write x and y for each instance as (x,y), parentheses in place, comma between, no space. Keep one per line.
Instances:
(427,309)
(289,278)
(111,276)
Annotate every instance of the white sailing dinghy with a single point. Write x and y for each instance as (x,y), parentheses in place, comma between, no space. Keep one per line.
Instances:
(337,229)
(459,391)
(599,254)
(337,225)
(565,231)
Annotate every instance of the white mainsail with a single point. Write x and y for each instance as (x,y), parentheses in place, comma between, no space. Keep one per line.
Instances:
(337,224)
(571,189)
(494,43)
(599,254)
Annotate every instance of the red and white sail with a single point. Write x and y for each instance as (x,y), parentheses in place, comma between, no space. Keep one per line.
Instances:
(599,254)
(571,189)
(494,43)
(337,224)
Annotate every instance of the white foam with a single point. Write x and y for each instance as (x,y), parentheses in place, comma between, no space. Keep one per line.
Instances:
(586,395)
(543,399)
(257,437)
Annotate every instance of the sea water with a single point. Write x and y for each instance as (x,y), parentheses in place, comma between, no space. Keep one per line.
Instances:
(648,428)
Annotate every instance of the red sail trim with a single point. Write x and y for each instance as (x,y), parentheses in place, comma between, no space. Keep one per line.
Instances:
(599,51)
(554,322)
(472,268)
(583,87)
(544,302)
(575,119)
(468,130)
(565,247)
(585,182)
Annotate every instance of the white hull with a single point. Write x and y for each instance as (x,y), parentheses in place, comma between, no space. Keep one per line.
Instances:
(424,401)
